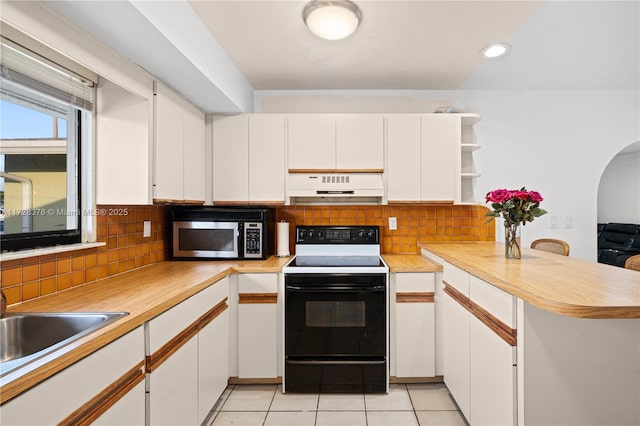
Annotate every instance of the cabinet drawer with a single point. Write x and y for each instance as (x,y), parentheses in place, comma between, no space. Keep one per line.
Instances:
(258,283)
(414,282)
(498,303)
(169,324)
(457,278)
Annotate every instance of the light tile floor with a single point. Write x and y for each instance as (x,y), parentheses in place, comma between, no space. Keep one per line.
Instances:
(404,405)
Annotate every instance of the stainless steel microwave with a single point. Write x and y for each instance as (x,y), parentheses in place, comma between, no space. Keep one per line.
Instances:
(206,232)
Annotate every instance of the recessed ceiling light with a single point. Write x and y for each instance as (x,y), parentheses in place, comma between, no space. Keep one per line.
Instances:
(495,50)
(332,19)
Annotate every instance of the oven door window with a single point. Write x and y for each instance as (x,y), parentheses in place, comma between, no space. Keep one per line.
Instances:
(335,313)
(205,239)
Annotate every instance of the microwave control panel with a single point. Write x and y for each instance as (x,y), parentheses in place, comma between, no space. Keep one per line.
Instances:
(252,239)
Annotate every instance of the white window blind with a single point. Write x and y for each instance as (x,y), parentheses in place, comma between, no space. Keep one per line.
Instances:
(28,70)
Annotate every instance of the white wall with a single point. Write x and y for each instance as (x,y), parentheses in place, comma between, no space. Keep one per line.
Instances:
(558,143)
(619,192)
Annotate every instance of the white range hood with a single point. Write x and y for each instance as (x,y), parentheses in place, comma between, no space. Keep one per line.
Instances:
(335,188)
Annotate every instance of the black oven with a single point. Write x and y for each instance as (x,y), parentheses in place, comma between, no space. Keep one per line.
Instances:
(335,332)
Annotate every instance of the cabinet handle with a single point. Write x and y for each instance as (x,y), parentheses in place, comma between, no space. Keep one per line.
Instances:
(506,333)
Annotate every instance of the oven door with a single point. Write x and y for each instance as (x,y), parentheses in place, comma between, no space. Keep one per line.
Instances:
(205,239)
(335,332)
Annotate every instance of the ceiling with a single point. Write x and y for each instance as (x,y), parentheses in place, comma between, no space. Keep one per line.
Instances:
(399,44)
(217,53)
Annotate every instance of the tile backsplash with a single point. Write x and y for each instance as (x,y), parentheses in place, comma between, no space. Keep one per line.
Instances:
(120,227)
(415,223)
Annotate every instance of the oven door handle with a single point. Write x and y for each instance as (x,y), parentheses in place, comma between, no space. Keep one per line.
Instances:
(341,289)
(337,362)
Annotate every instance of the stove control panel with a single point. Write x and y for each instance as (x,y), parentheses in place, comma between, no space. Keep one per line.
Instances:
(337,235)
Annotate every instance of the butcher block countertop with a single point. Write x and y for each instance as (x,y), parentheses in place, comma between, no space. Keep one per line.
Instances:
(144,293)
(410,263)
(563,285)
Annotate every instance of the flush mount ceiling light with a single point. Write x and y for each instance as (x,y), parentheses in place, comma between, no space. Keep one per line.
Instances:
(332,19)
(495,50)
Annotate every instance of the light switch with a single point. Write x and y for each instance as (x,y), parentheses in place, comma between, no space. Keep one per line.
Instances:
(553,221)
(146,229)
(568,222)
(393,223)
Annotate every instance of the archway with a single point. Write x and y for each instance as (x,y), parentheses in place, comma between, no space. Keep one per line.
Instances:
(619,207)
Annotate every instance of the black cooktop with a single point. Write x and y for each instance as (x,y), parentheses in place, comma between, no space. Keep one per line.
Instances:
(336,261)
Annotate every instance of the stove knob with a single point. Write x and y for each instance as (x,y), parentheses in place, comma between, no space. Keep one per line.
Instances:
(320,235)
(303,234)
(311,234)
(371,234)
(361,234)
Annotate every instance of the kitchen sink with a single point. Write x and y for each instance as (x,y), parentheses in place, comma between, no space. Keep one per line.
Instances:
(26,337)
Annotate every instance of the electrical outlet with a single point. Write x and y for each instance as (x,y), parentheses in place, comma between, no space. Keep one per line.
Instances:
(393,223)
(568,222)
(146,229)
(553,222)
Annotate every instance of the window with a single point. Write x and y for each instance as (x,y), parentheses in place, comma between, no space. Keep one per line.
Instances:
(46,117)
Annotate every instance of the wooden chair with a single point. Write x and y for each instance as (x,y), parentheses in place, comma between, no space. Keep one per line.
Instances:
(551,245)
(633,263)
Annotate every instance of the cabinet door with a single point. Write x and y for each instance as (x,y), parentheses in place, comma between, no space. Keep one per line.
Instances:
(440,137)
(492,377)
(359,141)
(312,141)
(257,326)
(194,155)
(173,388)
(213,363)
(456,353)
(230,153)
(266,158)
(122,125)
(414,324)
(403,157)
(169,160)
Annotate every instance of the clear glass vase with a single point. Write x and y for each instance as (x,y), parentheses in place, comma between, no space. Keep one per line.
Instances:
(512,241)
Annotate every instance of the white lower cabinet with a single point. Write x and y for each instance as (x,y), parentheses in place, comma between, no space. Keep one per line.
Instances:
(213,363)
(59,398)
(492,377)
(258,325)
(173,388)
(457,353)
(413,324)
(479,348)
(185,369)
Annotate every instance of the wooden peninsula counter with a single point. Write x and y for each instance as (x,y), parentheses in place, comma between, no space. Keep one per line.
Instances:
(542,340)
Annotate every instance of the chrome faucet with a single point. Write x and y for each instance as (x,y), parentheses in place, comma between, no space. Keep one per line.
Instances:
(3,304)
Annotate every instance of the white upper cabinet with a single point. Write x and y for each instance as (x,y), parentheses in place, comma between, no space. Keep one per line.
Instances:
(266,158)
(359,142)
(440,138)
(312,141)
(249,158)
(122,125)
(336,141)
(426,159)
(194,154)
(230,154)
(179,149)
(403,157)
